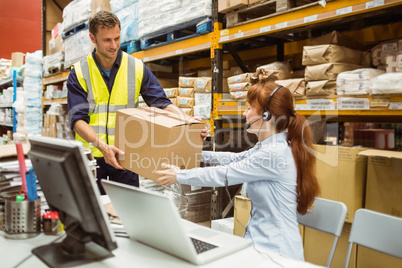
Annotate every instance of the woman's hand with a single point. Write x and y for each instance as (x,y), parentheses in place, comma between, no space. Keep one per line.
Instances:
(168,175)
(204,131)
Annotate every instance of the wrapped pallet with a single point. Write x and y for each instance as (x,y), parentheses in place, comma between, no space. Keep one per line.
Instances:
(76,13)
(128,17)
(79,40)
(170,15)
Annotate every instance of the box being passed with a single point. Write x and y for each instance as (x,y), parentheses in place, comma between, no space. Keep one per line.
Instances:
(151,136)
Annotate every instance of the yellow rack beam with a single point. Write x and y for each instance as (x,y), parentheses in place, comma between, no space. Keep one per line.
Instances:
(178,48)
(302,17)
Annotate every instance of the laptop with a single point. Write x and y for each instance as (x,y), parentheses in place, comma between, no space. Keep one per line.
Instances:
(153,219)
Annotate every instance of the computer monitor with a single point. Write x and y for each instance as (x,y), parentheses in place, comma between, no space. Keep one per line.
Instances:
(69,187)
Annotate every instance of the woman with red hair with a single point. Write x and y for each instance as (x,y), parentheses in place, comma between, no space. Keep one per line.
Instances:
(278,171)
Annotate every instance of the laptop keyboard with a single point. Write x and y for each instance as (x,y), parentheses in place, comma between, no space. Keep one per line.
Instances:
(201,246)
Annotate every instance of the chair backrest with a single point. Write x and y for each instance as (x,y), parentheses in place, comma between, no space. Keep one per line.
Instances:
(327,216)
(377,231)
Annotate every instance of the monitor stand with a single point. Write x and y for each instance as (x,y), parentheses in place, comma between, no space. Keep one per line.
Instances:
(54,255)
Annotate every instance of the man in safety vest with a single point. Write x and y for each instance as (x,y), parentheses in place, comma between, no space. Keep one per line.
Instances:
(102,83)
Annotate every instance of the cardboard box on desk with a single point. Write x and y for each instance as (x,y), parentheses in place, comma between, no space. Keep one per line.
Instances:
(151,136)
(341,173)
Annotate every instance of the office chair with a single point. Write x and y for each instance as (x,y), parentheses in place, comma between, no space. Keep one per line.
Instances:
(376,231)
(327,216)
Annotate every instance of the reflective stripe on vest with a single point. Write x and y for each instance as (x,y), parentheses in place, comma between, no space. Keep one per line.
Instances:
(102,104)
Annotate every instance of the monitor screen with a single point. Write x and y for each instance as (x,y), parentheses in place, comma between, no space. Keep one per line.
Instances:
(69,187)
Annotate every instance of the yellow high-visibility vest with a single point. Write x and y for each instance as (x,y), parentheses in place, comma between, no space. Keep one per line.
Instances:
(102,104)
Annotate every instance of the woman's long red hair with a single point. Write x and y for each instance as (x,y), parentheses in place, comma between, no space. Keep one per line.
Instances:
(299,139)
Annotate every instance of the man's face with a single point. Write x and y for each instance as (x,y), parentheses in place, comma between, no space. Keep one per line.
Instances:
(107,42)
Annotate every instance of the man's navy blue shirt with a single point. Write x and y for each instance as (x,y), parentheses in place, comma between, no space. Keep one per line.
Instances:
(151,91)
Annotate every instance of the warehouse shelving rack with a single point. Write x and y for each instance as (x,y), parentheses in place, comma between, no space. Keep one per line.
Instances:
(282,26)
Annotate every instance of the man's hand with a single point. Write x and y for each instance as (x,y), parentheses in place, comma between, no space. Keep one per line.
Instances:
(168,176)
(109,154)
(204,132)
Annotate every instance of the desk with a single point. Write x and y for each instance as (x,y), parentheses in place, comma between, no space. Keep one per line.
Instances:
(129,253)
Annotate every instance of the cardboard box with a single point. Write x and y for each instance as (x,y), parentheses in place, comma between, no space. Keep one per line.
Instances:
(17,59)
(200,84)
(56,45)
(242,209)
(327,71)
(341,172)
(337,38)
(204,73)
(313,55)
(317,246)
(57,30)
(223,6)
(98,5)
(384,181)
(238,3)
(296,86)
(151,136)
(368,258)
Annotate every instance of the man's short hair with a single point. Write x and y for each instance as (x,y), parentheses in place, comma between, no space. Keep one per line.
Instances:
(103,19)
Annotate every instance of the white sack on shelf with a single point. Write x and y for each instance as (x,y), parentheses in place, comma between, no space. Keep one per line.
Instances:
(157,16)
(203,111)
(79,40)
(75,13)
(356,82)
(128,17)
(202,99)
(386,83)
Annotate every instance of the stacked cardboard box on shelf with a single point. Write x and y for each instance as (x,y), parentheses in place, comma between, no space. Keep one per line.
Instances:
(239,85)
(188,87)
(327,56)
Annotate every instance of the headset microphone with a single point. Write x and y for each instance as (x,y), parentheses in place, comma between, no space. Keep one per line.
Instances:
(247,125)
